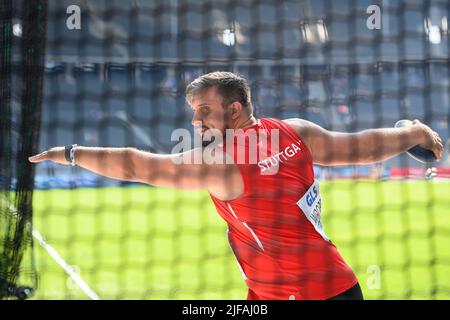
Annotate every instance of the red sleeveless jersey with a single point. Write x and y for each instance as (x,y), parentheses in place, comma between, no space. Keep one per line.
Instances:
(274,227)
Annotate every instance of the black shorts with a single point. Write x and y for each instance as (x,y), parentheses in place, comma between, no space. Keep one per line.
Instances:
(354,293)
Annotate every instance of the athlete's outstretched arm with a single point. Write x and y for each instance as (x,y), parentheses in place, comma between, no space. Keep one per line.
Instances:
(178,171)
(368,146)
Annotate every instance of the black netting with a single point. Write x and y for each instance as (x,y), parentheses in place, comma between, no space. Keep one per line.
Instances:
(21,98)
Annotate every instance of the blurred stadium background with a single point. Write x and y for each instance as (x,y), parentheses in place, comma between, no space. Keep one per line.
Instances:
(120,80)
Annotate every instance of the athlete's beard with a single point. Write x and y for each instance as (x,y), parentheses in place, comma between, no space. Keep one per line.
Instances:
(206,143)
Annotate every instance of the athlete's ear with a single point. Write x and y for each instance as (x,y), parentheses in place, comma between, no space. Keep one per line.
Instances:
(236,109)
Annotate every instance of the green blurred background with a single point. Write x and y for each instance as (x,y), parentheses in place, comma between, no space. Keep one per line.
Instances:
(149,243)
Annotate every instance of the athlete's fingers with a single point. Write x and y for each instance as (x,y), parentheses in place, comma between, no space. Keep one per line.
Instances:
(438,137)
(438,153)
(436,147)
(439,140)
(438,144)
(39,157)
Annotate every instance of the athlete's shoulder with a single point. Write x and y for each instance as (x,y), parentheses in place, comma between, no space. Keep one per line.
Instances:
(303,128)
(275,122)
(295,127)
(297,123)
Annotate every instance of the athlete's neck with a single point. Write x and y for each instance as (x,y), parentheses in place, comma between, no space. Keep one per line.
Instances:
(246,122)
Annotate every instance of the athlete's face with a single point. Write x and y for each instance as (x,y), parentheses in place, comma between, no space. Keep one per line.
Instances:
(209,112)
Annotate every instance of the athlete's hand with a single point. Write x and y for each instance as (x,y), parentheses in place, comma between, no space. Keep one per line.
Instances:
(56,154)
(430,140)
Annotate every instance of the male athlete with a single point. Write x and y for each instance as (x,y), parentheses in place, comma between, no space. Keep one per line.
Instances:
(272,205)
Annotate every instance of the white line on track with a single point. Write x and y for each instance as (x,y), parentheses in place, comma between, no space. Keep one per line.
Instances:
(63,264)
(60,261)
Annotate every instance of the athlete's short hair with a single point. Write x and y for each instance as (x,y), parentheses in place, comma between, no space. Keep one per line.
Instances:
(231,86)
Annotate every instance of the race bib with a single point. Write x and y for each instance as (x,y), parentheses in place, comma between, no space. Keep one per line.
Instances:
(311,205)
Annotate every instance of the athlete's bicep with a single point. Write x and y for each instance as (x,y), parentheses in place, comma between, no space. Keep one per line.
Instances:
(189,171)
(335,148)
(185,170)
